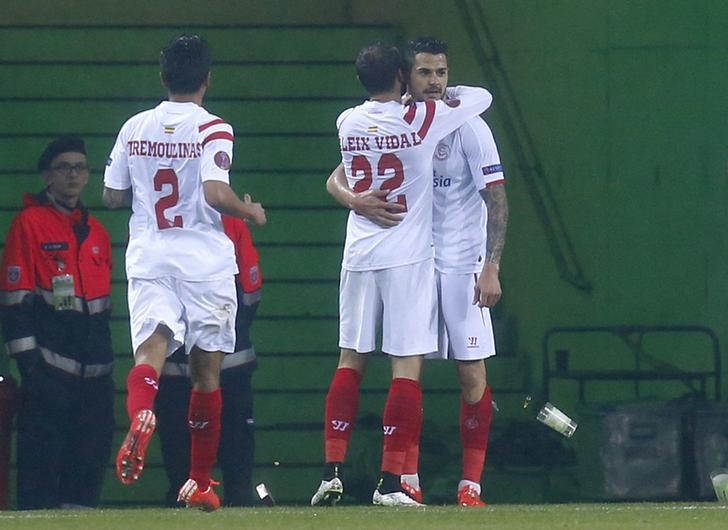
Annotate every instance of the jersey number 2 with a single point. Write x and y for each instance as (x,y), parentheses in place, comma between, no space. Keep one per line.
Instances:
(360,164)
(163,177)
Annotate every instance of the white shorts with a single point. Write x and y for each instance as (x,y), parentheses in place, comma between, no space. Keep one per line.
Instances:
(401,300)
(198,314)
(466,332)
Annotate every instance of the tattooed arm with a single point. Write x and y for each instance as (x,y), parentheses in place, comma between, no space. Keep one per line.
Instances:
(488,289)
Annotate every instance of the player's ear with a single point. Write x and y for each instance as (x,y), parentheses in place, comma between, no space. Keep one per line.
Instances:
(406,73)
(162,80)
(402,82)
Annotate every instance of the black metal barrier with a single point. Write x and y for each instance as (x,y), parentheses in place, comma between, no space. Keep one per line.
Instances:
(643,448)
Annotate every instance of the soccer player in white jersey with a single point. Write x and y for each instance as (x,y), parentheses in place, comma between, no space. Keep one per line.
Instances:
(171,164)
(470,214)
(387,278)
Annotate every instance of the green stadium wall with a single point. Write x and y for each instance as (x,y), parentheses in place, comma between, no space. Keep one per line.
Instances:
(623,123)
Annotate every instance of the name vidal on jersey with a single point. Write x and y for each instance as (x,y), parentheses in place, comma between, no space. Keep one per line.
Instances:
(164,149)
(392,141)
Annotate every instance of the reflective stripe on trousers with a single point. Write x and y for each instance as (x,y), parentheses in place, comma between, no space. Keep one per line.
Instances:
(74,367)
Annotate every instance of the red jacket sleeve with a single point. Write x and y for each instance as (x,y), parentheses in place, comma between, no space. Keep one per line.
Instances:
(18,267)
(17,285)
(250,278)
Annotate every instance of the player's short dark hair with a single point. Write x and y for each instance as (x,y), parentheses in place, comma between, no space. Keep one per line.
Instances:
(62,144)
(185,64)
(431,45)
(377,66)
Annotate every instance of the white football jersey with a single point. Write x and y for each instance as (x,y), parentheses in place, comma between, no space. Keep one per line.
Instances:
(389,146)
(165,154)
(464,163)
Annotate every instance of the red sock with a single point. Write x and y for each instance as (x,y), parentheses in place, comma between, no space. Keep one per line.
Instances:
(412,458)
(204,426)
(403,407)
(342,405)
(474,429)
(142,384)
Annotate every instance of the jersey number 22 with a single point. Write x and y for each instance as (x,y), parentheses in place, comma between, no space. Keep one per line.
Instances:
(360,164)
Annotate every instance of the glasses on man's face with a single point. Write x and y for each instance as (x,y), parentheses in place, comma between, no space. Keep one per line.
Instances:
(66,169)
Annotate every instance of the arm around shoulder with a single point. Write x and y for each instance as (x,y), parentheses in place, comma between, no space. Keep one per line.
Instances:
(469,97)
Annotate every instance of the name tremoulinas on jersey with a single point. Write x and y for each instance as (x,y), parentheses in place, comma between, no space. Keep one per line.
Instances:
(153,149)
